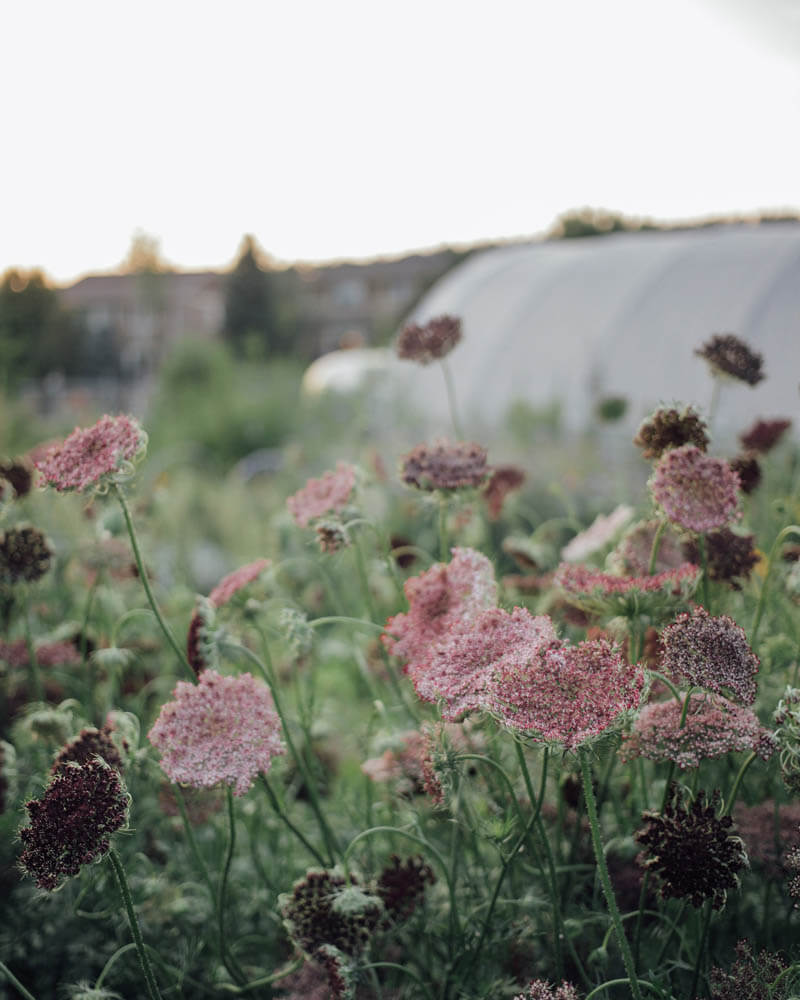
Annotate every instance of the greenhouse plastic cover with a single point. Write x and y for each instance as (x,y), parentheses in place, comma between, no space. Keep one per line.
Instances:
(579,320)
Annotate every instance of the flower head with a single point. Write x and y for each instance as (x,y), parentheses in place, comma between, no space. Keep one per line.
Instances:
(600,533)
(730,557)
(71,824)
(25,554)
(430,342)
(605,594)
(764,435)
(234,582)
(695,853)
(19,473)
(695,491)
(748,470)
(321,496)
(728,355)
(95,456)
(445,466)
(503,479)
(220,730)
(401,886)
(710,653)
(713,727)
(87,745)
(751,977)
(669,428)
(438,598)
(540,989)
(632,554)
(564,694)
(201,648)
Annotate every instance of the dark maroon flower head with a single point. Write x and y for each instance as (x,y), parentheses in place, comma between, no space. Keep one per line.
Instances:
(445,466)
(19,473)
(728,355)
(25,554)
(503,479)
(748,470)
(730,557)
(431,342)
(764,435)
(751,977)
(695,854)
(71,824)
(710,653)
(669,428)
(89,743)
(401,885)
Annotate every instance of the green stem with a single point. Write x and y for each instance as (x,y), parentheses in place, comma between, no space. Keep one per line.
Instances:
(620,982)
(344,619)
(187,826)
(282,814)
(230,963)
(451,398)
(33,662)
(125,892)
(701,545)
(399,968)
(137,555)
(651,566)
(701,949)
(602,869)
(15,982)
(791,529)
(737,782)
(443,542)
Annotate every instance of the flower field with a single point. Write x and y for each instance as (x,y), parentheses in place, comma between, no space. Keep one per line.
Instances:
(382,726)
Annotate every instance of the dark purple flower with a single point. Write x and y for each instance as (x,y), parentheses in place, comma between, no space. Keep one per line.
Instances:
(431,342)
(728,355)
(669,428)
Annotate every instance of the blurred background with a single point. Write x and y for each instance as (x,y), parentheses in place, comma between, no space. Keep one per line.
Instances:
(218,219)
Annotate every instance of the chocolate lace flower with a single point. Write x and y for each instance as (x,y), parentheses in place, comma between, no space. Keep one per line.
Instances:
(695,854)
(401,886)
(71,824)
(503,480)
(540,989)
(728,355)
(564,694)
(601,593)
(710,653)
(748,470)
(713,727)
(321,496)
(431,342)
(25,554)
(730,557)
(445,466)
(600,533)
(95,457)
(87,745)
(751,977)
(631,557)
(695,491)
(764,435)
(220,730)
(438,598)
(669,428)
(19,473)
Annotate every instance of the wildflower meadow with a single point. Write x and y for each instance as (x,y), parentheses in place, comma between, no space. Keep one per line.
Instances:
(418,735)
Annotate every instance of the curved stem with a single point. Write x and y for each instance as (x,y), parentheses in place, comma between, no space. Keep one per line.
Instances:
(15,982)
(651,566)
(737,782)
(791,529)
(125,892)
(620,982)
(137,555)
(602,869)
(273,799)
(230,963)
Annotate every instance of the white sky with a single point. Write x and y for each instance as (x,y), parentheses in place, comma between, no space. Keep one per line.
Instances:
(355,128)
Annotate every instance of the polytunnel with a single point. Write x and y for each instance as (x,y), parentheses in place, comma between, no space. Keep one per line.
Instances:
(575,321)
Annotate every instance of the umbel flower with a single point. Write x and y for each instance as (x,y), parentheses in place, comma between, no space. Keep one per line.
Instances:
(87,745)
(669,428)
(445,466)
(503,480)
(401,886)
(695,491)
(713,727)
(25,554)
(729,557)
(787,719)
(764,435)
(600,533)
(540,989)
(695,854)
(327,494)
(71,824)
(440,597)
(236,581)
(748,470)
(604,594)
(751,977)
(220,730)
(19,473)
(431,342)
(710,653)
(95,457)
(729,356)
(631,556)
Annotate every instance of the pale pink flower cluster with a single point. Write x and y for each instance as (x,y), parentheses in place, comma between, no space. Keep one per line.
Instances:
(320,496)
(565,694)
(601,532)
(604,593)
(540,989)
(695,491)
(446,594)
(220,730)
(713,727)
(234,582)
(710,653)
(94,456)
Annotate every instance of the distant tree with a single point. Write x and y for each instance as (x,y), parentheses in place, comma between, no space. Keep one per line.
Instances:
(144,255)
(36,335)
(251,325)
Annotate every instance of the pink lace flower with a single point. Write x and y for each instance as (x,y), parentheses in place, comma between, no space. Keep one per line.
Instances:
(605,594)
(603,530)
(566,694)
(94,456)
(222,729)
(713,727)
(320,496)
(461,664)
(234,582)
(696,492)
(438,598)
(710,653)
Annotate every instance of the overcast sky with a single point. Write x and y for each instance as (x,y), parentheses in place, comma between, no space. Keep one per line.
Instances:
(355,128)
